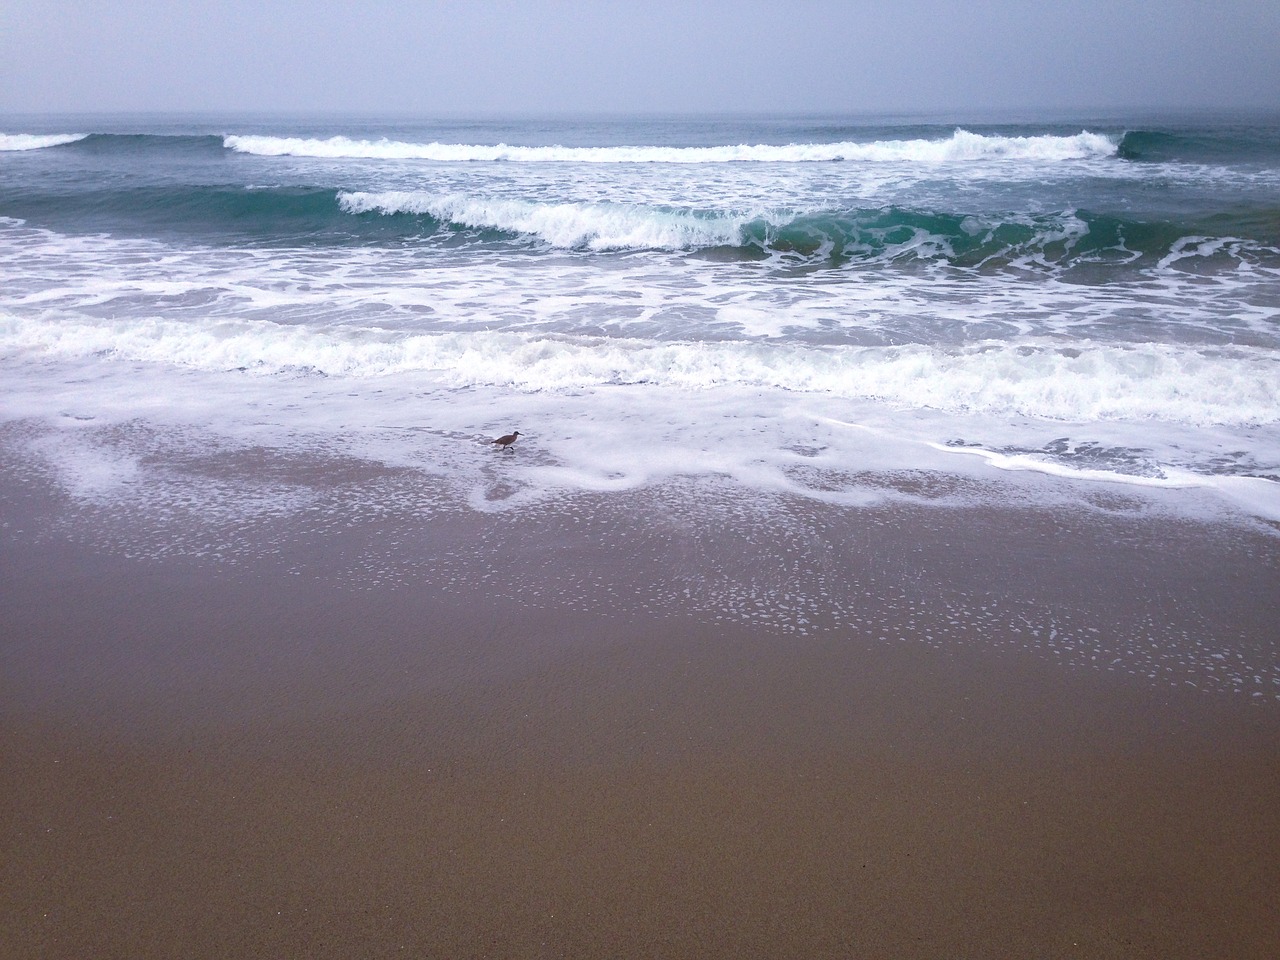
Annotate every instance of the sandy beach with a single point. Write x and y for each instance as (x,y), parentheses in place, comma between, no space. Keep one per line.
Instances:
(604,729)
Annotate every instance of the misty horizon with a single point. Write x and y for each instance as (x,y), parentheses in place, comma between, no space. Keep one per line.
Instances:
(558,59)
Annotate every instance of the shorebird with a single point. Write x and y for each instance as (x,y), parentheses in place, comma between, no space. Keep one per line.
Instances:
(506,441)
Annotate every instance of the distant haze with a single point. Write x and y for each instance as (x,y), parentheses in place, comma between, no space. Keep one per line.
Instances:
(557,57)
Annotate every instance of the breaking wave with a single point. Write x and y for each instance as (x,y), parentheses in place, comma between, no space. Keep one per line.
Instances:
(594,226)
(1089,381)
(960,146)
(36,141)
(885,234)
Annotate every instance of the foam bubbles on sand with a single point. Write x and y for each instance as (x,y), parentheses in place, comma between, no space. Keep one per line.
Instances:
(903,565)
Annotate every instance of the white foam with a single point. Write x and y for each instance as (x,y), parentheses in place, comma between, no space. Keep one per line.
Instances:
(602,437)
(1022,377)
(87,470)
(1257,496)
(36,141)
(1191,247)
(960,146)
(1177,480)
(595,226)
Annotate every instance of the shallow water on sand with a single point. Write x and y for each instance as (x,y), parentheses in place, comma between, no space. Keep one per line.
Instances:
(1121,586)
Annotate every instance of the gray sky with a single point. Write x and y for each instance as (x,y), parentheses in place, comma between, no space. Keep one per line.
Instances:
(618,56)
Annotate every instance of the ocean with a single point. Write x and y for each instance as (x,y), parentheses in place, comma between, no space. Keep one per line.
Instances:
(841,310)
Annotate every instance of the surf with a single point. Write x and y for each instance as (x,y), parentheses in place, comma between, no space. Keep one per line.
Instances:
(961,145)
(1030,376)
(14,142)
(1022,241)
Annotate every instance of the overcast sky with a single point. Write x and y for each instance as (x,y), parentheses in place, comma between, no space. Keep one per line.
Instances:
(618,56)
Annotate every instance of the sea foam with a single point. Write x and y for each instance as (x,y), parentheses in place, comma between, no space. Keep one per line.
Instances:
(941,292)
(595,226)
(1029,377)
(35,141)
(960,146)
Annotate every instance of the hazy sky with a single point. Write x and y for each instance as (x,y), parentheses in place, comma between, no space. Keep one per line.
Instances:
(618,56)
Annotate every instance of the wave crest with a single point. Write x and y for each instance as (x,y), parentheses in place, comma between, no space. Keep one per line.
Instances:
(960,146)
(1050,240)
(594,226)
(36,141)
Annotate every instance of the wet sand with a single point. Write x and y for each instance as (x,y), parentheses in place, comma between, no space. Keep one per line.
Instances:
(527,734)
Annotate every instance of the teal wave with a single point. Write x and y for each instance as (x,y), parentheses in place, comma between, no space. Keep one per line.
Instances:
(1061,239)
(1219,145)
(294,215)
(210,214)
(104,144)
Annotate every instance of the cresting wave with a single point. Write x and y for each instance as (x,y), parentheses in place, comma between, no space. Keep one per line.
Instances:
(310,215)
(960,146)
(1030,378)
(1220,145)
(593,226)
(33,141)
(884,234)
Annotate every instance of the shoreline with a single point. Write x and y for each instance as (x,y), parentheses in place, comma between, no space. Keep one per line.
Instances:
(528,734)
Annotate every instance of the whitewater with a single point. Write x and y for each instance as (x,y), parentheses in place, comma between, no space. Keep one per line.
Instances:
(811,308)
(961,145)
